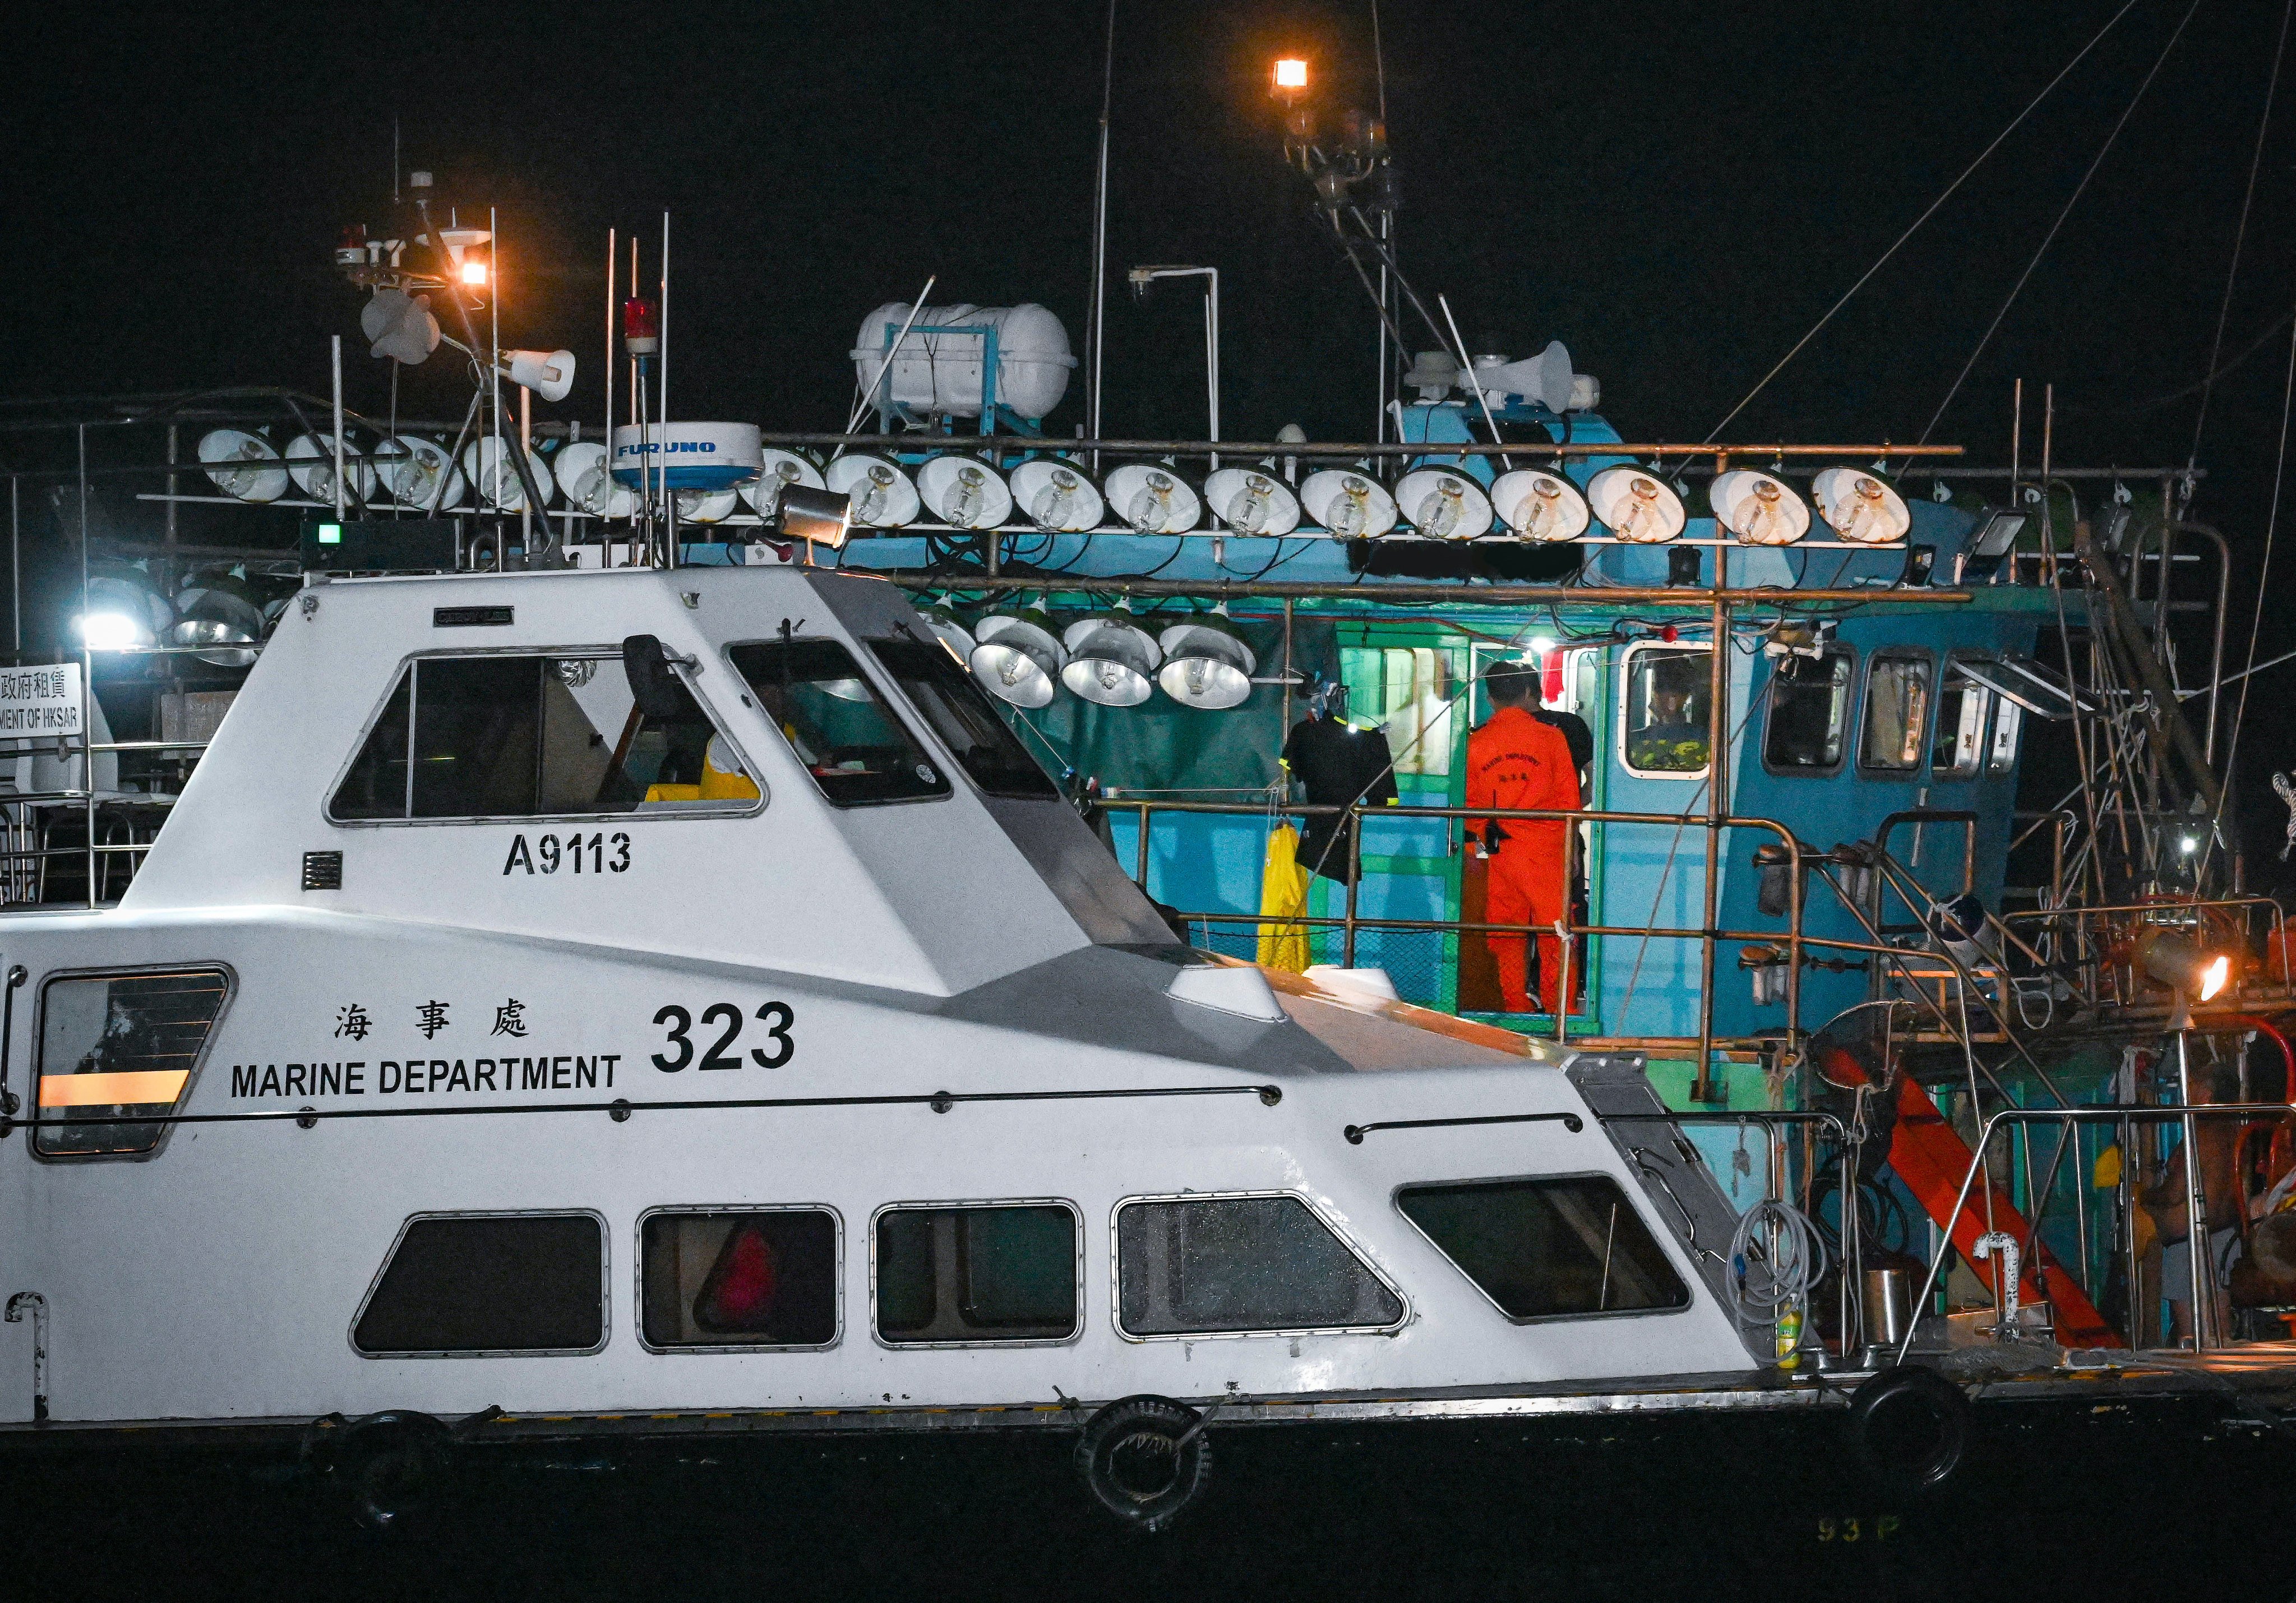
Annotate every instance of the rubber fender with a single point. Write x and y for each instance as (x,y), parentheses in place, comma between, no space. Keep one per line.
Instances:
(390,1465)
(1908,1427)
(1145,1458)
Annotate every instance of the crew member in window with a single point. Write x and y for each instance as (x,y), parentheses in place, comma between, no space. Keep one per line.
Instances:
(1670,740)
(1516,761)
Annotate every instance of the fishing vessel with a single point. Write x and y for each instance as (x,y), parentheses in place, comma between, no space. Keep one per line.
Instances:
(692,930)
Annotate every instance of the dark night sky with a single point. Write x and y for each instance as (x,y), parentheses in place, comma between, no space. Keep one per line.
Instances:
(1675,191)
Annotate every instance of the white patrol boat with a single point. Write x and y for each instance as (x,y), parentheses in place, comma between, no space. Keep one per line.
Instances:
(669,995)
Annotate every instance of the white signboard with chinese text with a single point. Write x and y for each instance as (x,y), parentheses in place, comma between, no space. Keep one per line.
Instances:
(40,702)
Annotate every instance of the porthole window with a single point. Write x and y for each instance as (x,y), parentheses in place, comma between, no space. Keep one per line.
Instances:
(1664,718)
(513,735)
(474,1285)
(1959,749)
(837,725)
(2008,720)
(976,1275)
(948,700)
(1241,1265)
(117,1054)
(1570,1247)
(1897,712)
(731,1278)
(1809,717)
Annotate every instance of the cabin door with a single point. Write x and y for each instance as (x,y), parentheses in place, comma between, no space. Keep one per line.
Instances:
(1573,684)
(1408,682)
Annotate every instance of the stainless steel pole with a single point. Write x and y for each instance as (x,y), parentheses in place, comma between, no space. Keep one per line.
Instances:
(1718,765)
(1211,352)
(525,448)
(87,680)
(336,362)
(661,414)
(613,274)
(2196,1210)
(1097,301)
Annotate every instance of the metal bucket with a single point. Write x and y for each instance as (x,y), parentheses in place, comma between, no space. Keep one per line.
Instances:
(1889,1304)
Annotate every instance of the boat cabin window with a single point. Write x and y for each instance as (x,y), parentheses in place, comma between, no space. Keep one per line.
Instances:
(1809,717)
(1957,751)
(1897,712)
(837,725)
(116,1053)
(1665,728)
(1548,1249)
(472,1283)
(520,737)
(954,705)
(1007,1272)
(1208,1266)
(2008,720)
(764,1277)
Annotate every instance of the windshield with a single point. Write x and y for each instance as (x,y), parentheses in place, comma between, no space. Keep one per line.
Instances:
(837,725)
(937,686)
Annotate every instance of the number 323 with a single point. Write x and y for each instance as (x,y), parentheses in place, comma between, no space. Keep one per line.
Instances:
(777,1017)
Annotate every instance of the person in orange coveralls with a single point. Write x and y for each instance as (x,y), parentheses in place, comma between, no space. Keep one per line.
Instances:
(1515,761)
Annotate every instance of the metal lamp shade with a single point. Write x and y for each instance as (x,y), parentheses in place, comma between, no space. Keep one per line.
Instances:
(1352,505)
(222,617)
(1442,504)
(1207,665)
(1111,661)
(1539,506)
(1018,658)
(963,493)
(1154,499)
(950,631)
(242,464)
(1056,496)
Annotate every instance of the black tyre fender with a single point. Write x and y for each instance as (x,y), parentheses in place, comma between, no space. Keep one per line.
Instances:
(1908,1427)
(1145,1458)
(390,1465)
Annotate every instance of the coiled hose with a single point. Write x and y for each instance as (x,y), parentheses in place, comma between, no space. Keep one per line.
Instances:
(1776,1254)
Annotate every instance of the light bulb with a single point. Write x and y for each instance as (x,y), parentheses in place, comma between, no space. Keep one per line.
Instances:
(1549,509)
(968,494)
(771,485)
(474,273)
(1054,501)
(1152,509)
(1440,513)
(1352,512)
(880,493)
(1644,505)
(109,631)
(1248,513)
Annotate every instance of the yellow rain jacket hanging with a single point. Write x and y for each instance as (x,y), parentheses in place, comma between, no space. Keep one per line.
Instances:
(1284,894)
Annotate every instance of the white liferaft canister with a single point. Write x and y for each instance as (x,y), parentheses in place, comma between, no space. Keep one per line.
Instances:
(941,373)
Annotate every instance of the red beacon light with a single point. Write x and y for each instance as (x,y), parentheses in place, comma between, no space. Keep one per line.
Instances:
(641,327)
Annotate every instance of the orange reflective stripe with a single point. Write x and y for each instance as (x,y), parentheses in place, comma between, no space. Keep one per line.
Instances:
(113,1091)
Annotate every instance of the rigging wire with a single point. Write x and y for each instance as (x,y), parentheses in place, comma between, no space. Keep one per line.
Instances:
(2050,238)
(2240,235)
(2263,573)
(1928,212)
(2197,385)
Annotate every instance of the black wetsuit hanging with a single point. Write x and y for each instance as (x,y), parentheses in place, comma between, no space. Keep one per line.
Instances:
(1337,765)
